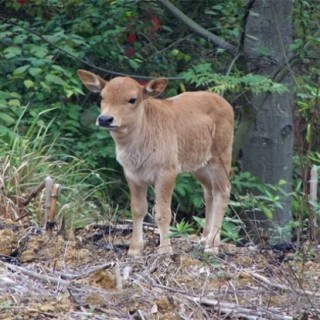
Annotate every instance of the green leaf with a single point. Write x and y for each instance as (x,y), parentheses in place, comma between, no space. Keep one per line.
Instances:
(19,39)
(45,86)
(54,79)
(4,95)
(199,221)
(197,202)
(14,103)
(11,52)
(35,71)
(181,190)
(39,51)
(28,84)
(134,64)
(37,62)
(267,212)
(8,120)
(21,70)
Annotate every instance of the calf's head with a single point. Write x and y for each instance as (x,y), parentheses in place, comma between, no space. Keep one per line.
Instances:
(121,99)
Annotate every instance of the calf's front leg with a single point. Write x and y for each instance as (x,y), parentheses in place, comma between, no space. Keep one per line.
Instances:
(139,208)
(164,186)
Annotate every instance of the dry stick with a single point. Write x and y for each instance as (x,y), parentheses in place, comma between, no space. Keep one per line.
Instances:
(110,312)
(23,216)
(62,277)
(279,286)
(229,308)
(117,273)
(45,278)
(88,272)
(33,194)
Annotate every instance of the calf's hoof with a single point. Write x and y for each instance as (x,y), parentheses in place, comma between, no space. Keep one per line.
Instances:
(165,250)
(211,250)
(135,251)
(203,239)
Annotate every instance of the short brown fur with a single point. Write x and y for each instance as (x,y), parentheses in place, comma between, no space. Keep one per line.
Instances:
(158,139)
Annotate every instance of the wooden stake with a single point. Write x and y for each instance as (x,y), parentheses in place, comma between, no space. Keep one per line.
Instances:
(313,221)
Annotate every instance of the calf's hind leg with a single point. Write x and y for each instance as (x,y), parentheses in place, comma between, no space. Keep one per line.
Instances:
(205,179)
(221,194)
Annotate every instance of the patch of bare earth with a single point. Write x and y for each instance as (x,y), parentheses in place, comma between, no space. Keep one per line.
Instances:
(87,275)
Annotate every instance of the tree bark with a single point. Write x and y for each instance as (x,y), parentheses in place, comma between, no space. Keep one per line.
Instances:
(268,150)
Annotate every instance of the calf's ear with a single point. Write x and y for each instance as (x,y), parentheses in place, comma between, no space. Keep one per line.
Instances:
(156,86)
(93,82)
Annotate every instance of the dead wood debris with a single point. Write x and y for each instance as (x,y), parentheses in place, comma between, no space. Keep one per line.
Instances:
(146,288)
(79,279)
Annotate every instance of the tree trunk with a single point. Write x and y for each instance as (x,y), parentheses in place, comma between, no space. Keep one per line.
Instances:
(268,150)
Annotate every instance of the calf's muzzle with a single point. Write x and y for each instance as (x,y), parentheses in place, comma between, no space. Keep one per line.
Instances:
(105,121)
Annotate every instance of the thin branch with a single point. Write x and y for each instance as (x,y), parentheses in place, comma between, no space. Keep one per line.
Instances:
(280,286)
(33,274)
(33,194)
(85,274)
(244,21)
(230,308)
(234,309)
(192,25)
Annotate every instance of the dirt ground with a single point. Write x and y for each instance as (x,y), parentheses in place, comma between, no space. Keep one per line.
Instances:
(86,274)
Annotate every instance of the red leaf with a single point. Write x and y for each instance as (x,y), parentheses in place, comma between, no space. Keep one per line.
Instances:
(22,2)
(131,38)
(156,23)
(130,52)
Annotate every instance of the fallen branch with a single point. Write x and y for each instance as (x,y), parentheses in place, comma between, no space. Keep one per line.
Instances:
(280,286)
(61,277)
(33,194)
(44,278)
(88,272)
(231,308)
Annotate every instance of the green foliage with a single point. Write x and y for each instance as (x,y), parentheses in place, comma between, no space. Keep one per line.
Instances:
(245,188)
(181,229)
(188,194)
(47,121)
(203,75)
(230,229)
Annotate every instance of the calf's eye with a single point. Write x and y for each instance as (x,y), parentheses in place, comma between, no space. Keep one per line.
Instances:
(132,100)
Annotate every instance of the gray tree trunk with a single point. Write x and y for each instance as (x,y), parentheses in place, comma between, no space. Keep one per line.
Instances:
(268,150)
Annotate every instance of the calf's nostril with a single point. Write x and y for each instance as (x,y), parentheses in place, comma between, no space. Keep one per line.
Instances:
(105,121)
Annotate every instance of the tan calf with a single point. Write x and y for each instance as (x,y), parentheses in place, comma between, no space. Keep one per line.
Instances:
(157,139)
